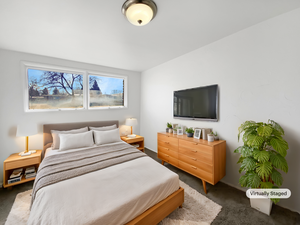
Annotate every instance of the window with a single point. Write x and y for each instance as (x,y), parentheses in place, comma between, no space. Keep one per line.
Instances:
(106,91)
(50,88)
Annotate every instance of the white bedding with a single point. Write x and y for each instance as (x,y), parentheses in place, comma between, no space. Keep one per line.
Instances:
(114,195)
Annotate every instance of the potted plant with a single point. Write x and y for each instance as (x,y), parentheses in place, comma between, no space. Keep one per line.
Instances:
(216,137)
(262,155)
(169,126)
(189,132)
(174,130)
(170,130)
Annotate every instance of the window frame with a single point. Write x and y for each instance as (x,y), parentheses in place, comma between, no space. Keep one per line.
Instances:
(86,95)
(101,74)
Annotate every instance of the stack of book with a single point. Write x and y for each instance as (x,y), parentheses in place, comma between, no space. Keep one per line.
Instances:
(15,176)
(30,172)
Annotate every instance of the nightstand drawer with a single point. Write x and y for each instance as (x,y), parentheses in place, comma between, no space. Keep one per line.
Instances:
(22,163)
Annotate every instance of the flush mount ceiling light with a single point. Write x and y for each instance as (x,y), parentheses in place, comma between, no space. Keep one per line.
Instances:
(139,12)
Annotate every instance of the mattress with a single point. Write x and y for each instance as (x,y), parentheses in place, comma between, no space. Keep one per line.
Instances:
(114,195)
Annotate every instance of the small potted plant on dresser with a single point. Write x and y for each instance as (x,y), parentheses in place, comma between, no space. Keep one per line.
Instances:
(262,155)
(175,130)
(169,126)
(216,137)
(189,132)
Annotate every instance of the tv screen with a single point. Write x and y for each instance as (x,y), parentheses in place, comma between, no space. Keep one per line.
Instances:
(199,103)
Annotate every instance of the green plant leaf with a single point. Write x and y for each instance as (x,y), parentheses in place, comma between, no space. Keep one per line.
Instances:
(261,156)
(276,126)
(246,125)
(240,160)
(255,141)
(279,162)
(238,150)
(253,180)
(280,145)
(276,177)
(249,131)
(264,170)
(264,131)
(248,164)
(275,200)
(267,185)
(243,181)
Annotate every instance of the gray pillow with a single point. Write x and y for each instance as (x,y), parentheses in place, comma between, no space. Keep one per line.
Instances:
(104,128)
(55,135)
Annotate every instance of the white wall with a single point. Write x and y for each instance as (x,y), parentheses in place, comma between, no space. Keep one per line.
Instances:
(12,109)
(258,74)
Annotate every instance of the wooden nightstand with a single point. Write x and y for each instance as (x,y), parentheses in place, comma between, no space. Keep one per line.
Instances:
(137,140)
(15,161)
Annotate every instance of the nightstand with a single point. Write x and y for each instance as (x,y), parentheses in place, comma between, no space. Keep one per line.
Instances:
(15,161)
(134,141)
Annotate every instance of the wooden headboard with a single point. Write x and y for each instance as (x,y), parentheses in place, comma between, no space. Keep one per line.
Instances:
(69,126)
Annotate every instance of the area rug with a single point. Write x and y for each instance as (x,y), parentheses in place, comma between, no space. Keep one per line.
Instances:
(196,210)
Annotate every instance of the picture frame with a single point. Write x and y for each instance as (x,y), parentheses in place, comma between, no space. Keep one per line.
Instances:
(179,131)
(197,133)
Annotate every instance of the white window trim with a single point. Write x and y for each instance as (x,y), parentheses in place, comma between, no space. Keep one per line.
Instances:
(95,73)
(25,65)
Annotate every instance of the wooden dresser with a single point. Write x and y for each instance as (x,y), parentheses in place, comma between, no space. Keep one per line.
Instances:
(203,159)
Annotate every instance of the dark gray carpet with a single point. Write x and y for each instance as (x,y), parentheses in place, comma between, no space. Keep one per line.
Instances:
(236,206)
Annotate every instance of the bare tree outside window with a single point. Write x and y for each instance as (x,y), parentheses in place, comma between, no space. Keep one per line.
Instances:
(54,90)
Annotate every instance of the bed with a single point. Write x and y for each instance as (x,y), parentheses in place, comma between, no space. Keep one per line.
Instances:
(137,190)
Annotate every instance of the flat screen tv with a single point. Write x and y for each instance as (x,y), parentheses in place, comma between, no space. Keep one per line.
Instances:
(199,103)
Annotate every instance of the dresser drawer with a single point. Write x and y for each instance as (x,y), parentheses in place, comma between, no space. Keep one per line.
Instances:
(208,150)
(195,153)
(168,151)
(196,171)
(168,158)
(21,163)
(167,142)
(196,162)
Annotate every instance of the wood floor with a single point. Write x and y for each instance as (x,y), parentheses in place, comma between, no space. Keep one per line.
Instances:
(236,207)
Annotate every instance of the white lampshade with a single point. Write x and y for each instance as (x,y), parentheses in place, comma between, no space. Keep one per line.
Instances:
(131,122)
(139,14)
(26,130)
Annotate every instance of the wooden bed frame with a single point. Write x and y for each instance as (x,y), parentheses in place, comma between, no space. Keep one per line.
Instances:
(151,216)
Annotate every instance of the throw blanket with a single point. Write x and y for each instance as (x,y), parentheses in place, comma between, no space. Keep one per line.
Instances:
(60,167)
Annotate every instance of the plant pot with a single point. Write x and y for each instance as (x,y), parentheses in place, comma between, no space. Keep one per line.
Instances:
(167,130)
(170,130)
(263,205)
(174,131)
(210,137)
(189,134)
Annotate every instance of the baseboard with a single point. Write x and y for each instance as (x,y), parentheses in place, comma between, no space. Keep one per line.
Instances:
(151,149)
(1,184)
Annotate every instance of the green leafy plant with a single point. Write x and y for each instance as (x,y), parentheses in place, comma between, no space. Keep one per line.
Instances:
(189,130)
(169,125)
(175,129)
(215,134)
(262,155)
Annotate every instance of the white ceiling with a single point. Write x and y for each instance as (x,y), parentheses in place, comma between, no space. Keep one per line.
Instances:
(95,31)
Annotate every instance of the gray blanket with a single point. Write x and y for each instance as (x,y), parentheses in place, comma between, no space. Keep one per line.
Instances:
(56,168)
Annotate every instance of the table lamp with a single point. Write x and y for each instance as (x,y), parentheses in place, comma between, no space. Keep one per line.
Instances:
(131,122)
(25,131)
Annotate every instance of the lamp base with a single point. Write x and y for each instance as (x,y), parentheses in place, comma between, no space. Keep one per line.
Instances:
(131,135)
(27,153)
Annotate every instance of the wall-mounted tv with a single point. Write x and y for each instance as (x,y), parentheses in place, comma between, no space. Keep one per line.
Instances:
(201,103)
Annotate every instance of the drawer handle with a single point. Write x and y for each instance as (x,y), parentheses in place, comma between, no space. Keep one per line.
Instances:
(195,143)
(194,167)
(167,149)
(194,159)
(194,151)
(167,155)
(166,142)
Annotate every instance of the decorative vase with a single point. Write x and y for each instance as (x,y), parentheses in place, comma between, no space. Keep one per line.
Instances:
(189,134)
(167,130)
(170,130)
(210,138)
(263,205)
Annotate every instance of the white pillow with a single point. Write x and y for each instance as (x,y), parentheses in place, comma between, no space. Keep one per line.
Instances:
(105,137)
(71,141)
(55,135)
(104,128)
